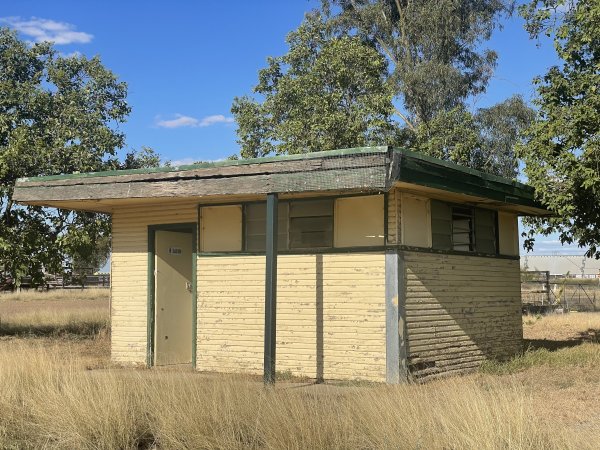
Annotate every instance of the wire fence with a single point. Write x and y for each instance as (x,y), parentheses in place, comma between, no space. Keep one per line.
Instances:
(543,293)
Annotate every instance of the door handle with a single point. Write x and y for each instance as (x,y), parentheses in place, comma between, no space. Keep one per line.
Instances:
(188,286)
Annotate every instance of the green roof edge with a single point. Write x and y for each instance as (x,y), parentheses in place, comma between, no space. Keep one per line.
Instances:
(464,169)
(207,165)
(521,193)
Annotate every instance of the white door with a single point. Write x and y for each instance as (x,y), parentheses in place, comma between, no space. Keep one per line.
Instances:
(173,294)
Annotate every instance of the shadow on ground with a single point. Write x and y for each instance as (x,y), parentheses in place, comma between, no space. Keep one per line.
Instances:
(591,335)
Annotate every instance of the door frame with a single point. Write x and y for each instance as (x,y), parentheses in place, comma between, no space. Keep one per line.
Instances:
(188,227)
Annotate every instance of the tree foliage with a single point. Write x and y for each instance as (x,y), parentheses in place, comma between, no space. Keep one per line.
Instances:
(562,153)
(483,140)
(326,92)
(434,47)
(57,115)
(387,72)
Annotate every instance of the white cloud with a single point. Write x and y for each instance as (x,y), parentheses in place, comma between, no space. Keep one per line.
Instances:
(183,162)
(40,30)
(180,121)
(186,121)
(211,120)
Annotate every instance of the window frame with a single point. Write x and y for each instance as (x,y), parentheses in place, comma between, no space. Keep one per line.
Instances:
(306,250)
(473,229)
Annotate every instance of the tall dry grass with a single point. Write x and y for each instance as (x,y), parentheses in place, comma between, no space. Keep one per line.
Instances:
(55,295)
(48,401)
(573,325)
(80,313)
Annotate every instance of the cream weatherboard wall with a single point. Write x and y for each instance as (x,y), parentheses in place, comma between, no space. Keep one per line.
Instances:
(330,315)
(129,273)
(345,291)
(331,307)
(460,310)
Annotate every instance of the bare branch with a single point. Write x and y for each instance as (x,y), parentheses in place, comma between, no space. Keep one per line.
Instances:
(405,119)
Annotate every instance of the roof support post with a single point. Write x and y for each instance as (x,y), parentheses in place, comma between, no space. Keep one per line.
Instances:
(396,352)
(271,289)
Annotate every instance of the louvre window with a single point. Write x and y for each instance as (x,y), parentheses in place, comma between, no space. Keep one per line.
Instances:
(311,224)
(462,228)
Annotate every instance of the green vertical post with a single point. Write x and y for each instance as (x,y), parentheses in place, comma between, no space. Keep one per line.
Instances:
(271,289)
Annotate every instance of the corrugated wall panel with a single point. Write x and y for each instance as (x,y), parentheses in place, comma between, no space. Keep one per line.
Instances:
(129,268)
(460,310)
(330,315)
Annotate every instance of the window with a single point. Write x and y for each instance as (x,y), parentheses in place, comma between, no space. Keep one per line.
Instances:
(311,224)
(462,228)
(486,223)
(255,223)
(302,224)
(356,221)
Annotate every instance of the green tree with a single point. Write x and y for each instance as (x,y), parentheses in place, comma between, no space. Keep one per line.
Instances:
(86,237)
(57,115)
(350,64)
(484,140)
(562,152)
(434,47)
(326,92)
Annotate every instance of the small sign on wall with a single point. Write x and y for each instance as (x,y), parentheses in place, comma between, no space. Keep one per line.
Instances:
(174,251)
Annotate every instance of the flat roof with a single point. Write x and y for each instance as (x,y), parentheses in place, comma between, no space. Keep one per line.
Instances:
(364,169)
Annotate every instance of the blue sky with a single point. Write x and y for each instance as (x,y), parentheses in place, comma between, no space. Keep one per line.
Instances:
(185,61)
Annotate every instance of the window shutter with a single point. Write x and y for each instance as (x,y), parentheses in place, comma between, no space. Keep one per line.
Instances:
(485,231)
(441,225)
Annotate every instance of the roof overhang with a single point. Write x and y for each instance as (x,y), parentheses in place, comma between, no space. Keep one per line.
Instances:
(369,169)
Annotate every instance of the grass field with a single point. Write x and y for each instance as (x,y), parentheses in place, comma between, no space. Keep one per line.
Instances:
(59,390)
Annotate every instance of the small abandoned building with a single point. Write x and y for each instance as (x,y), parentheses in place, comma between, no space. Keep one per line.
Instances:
(372,263)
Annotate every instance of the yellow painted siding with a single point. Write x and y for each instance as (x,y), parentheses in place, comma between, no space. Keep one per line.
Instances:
(460,310)
(346,290)
(393,218)
(129,267)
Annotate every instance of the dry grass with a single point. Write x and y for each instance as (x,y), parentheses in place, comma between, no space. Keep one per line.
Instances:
(50,400)
(55,313)
(562,327)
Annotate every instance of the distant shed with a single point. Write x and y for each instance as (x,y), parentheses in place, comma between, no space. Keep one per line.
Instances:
(575,266)
(373,263)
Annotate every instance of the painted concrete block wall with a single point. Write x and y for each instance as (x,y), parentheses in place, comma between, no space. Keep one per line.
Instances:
(330,315)
(129,274)
(460,310)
